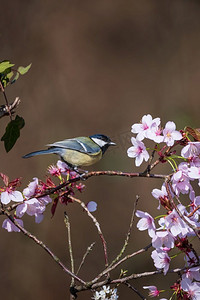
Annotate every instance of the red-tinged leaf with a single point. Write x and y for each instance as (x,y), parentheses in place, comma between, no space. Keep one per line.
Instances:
(194,132)
(5,179)
(16,182)
(54,205)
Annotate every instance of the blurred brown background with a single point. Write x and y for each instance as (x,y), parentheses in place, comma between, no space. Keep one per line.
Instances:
(97,67)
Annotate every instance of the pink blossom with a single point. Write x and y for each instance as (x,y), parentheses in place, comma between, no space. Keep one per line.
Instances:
(138,151)
(54,171)
(192,288)
(194,172)
(191,150)
(180,179)
(146,222)
(161,259)
(92,206)
(192,273)
(163,238)
(156,193)
(160,194)
(142,129)
(155,134)
(195,162)
(195,203)
(30,190)
(171,134)
(10,195)
(176,225)
(33,206)
(191,259)
(63,167)
(153,291)
(10,226)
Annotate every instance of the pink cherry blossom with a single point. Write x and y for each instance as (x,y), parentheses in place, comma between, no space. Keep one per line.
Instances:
(163,238)
(10,226)
(10,195)
(191,150)
(153,291)
(92,206)
(138,151)
(192,273)
(161,259)
(33,206)
(160,194)
(194,172)
(155,134)
(176,225)
(181,180)
(142,129)
(146,222)
(192,288)
(30,190)
(171,134)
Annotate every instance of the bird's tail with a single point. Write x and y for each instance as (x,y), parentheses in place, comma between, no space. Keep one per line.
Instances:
(41,152)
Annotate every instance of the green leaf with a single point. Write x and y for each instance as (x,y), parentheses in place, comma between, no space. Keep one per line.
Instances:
(23,70)
(5,65)
(12,132)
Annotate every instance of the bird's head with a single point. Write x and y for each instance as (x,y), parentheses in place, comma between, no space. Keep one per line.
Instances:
(102,141)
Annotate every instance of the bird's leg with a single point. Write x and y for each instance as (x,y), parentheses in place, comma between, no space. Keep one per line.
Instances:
(79,171)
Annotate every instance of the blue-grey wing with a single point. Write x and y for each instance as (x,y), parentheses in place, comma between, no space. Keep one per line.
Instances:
(81,144)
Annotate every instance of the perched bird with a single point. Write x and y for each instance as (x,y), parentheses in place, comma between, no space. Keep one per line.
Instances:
(80,151)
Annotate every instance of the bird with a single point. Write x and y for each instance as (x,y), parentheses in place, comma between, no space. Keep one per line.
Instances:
(78,152)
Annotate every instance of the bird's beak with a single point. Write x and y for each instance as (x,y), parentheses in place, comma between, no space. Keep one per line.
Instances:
(112,144)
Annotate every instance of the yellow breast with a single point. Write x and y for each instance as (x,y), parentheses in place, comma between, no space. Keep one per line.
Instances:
(80,159)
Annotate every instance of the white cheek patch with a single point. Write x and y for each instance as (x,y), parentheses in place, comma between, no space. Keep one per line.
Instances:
(99,142)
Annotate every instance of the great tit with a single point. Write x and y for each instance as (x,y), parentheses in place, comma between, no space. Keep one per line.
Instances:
(80,151)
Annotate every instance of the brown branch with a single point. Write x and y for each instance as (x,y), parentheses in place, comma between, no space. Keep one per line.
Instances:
(9,109)
(109,269)
(86,176)
(134,289)
(6,99)
(128,234)
(41,244)
(89,249)
(67,224)
(130,277)
(96,223)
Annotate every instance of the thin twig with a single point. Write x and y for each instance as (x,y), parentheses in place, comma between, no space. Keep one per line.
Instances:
(89,249)
(150,165)
(41,244)
(128,234)
(6,99)
(134,289)
(67,223)
(5,110)
(96,223)
(109,269)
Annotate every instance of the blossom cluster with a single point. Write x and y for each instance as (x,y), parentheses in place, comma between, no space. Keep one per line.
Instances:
(180,222)
(150,128)
(106,293)
(34,199)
